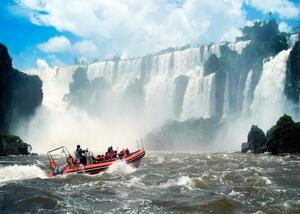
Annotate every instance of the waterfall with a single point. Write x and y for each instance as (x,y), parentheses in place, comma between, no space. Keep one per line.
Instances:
(247,93)
(293,39)
(226,106)
(55,86)
(269,102)
(198,99)
(238,46)
(101,69)
(172,84)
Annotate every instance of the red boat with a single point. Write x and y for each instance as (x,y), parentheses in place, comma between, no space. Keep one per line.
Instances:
(92,167)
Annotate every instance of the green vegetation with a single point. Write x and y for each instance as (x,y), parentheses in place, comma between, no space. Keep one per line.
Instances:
(257,139)
(284,137)
(12,145)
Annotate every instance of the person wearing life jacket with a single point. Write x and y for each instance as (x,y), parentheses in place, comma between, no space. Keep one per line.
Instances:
(127,152)
(110,150)
(121,154)
(80,155)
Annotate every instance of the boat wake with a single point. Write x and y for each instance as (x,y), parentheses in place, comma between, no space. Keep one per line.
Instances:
(20,172)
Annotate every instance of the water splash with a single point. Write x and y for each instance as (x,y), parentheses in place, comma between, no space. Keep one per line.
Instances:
(187,182)
(121,167)
(20,172)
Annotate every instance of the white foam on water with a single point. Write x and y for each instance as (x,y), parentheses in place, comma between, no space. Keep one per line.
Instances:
(121,167)
(186,181)
(20,172)
(267,180)
(160,160)
(235,194)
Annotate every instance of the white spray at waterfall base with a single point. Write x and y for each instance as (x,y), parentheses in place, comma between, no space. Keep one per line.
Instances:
(142,95)
(20,172)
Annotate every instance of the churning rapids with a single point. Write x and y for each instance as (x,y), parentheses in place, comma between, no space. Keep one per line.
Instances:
(164,183)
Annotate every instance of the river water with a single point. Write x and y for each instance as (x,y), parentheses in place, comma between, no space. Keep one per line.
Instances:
(164,183)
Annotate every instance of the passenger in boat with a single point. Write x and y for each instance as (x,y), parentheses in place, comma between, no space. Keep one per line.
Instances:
(80,155)
(110,150)
(121,154)
(60,170)
(100,158)
(127,152)
(114,154)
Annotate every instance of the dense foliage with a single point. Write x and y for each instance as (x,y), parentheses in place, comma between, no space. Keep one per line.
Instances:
(13,145)
(257,139)
(284,137)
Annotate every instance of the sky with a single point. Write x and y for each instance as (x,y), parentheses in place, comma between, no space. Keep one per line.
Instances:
(42,33)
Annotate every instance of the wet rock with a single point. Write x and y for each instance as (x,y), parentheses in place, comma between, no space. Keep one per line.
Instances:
(185,135)
(292,84)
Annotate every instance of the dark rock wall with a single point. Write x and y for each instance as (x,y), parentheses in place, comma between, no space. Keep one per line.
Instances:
(20,94)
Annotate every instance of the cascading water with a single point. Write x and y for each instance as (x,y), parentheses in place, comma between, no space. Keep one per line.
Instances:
(161,76)
(269,102)
(226,106)
(198,97)
(246,93)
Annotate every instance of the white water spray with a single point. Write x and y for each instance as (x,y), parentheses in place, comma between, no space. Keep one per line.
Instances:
(20,172)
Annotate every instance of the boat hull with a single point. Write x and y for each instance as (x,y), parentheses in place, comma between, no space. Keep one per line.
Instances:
(133,159)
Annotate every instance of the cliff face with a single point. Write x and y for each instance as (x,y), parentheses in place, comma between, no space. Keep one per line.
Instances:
(292,86)
(183,135)
(20,94)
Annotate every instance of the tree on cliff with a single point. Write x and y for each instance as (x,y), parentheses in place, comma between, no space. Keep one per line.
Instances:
(284,137)
(257,139)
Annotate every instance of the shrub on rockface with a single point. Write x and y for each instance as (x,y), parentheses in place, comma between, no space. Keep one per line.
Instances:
(284,137)
(257,139)
(13,145)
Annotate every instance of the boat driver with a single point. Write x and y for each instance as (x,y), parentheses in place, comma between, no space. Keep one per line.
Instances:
(80,155)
